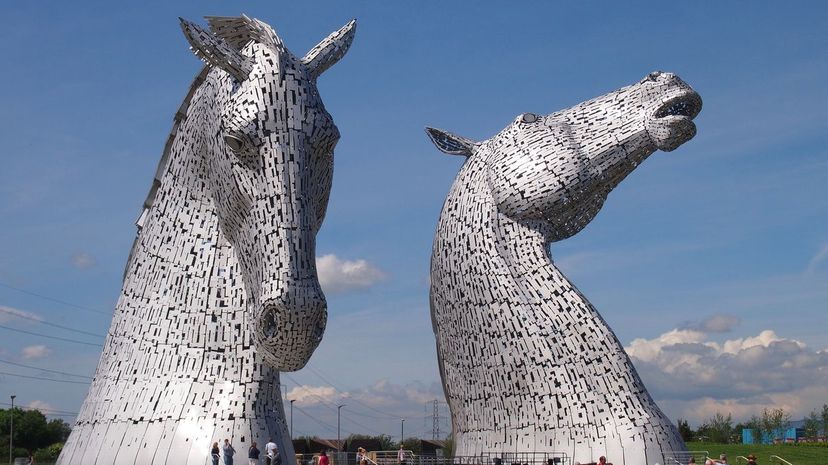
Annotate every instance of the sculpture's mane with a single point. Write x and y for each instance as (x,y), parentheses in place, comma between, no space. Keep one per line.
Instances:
(237,31)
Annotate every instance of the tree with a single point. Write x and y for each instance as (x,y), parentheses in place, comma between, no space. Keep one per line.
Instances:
(31,430)
(812,423)
(684,430)
(413,444)
(448,448)
(825,419)
(717,428)
(775,422)
(755,425)
(386,442)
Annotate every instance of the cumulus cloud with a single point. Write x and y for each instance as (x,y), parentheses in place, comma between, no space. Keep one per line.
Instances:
(306,395)
(385,394)
(10,313)
(35,352)
(718,323)
(693,376)
(83,260)
(337,275)
(369,409)
(43,406)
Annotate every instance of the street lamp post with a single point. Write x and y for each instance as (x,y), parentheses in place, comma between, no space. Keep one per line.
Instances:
(291,418)
(11,432)
(402,429)
(338,414)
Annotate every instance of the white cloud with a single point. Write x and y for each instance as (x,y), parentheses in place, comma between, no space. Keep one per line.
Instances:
(375,408)
(692,376)
(35,352)
(44,407)
(336,275)
(819,257)
(83,260)
(9,313)
(384,394)
(306,395)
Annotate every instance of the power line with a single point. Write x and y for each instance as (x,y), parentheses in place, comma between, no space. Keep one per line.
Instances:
(323,401)
(49,411)
(372,430)
(41,321)
(45,369)
(62,302)
(389,415)
(50,337)
(330,406)
(44,379)
(325,425)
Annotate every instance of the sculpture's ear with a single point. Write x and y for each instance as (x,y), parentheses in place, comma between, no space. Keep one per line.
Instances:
(451,144)
(215,51)
(326,53)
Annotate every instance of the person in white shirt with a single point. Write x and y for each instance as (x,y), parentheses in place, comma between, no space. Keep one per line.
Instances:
(401,455)
(272,451)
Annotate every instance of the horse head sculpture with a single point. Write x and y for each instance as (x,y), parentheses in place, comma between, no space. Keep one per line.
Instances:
(527,363)
(220,290)
(559,168)
(269,165)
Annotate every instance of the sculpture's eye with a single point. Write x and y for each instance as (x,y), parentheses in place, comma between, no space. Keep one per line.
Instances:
(236,144)
(652,77)
(242,143)
(529,117)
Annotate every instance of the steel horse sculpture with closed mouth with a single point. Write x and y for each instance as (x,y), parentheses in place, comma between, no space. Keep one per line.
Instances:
(220,290)
(527,363)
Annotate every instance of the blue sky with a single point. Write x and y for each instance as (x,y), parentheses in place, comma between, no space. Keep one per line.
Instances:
(722,240)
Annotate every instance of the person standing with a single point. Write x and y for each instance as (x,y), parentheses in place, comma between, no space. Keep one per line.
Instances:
(271,453)
(228,451)
(253,454)
(751,459)
(323,458)
(215,453)
(401,455)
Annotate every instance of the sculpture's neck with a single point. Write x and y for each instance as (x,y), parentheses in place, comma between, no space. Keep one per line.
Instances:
(523,245)
(529,328)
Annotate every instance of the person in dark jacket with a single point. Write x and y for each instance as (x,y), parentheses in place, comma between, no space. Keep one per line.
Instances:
(253,455)
(215,453)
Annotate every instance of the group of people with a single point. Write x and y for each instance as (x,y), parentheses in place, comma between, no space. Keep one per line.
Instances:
(226,451)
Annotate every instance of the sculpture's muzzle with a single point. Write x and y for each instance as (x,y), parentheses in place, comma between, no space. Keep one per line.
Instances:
(289,323)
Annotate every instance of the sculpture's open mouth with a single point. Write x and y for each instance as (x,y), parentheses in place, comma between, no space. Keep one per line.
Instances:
(687,104)
(672,123)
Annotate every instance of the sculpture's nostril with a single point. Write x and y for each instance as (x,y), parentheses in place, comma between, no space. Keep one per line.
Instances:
(268,322)
(319,330)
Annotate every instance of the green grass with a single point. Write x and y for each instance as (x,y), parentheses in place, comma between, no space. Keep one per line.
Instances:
(797,454)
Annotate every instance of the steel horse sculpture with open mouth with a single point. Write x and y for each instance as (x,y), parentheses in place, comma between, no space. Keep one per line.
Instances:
(527,363)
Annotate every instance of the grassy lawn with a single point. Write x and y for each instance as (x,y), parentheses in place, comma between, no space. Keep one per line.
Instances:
(796,454)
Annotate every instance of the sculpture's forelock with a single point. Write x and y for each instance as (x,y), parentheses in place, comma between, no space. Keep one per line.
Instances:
(239,30)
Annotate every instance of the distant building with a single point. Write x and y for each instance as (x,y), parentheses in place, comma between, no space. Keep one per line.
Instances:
(794,433)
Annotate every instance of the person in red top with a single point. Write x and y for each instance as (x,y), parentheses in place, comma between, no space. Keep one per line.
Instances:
(323,458)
